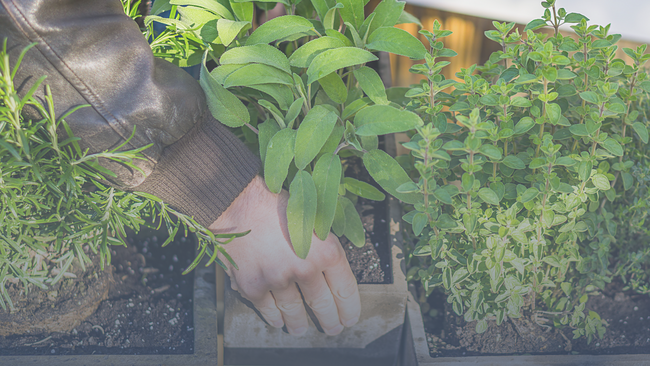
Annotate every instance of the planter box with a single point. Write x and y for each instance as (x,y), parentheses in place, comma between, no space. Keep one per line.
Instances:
(415,351)
(374,340)
(205,337)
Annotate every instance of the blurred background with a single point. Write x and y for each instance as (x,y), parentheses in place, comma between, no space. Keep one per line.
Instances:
(469,19)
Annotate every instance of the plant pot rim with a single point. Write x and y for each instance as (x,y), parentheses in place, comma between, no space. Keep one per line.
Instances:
(415,351)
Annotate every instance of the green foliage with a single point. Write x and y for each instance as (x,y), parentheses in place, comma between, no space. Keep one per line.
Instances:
(299,91)
(55,210)
(535,153)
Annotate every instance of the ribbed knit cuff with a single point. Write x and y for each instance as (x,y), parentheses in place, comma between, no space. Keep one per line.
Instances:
(202,173)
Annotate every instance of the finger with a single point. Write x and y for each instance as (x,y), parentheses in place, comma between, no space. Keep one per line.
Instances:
(343,285)
(268,309)
(319,298)
(289,302)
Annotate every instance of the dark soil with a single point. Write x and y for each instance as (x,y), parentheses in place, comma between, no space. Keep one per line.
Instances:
(366,262)
(148,310)
(627,313)
(371,262)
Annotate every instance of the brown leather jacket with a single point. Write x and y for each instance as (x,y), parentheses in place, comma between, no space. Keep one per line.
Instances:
(94,54)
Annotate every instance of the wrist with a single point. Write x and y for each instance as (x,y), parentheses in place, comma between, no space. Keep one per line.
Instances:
(254,198)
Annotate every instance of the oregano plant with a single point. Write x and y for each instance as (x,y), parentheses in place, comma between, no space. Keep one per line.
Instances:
(521,165)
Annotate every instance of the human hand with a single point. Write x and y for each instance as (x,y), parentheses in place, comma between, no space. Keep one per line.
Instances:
(270,272)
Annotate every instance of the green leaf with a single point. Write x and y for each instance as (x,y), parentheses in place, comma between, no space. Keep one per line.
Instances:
(213,6)
(491,151)
(601,182)
(304,55)
(333,59)
(327,177)
(514,162)
(294,111)
(259,53)
(353,226)
(330,18)
(352,12)
(443,196)
(589,96)
(384,119)
(564,74)
(280,92)
(224,105)
(641,130)
(301,212)
(229,29)
(334,87)
(243,11)
(628,180)
(613,147)
(387,14)
(370,82)
(253,74)
(407,17)
(579,130)
(389,174)
(321,7)
(279,154)
(279,28)
(339,224)
(574,18)
(535,24)
(553,112)
(363,189)
(488,196)
(565,161)
(482,325)
(266,131)
(529,194)
(420,220)
(520,102)
(524,125)
(397,41)
(313,133)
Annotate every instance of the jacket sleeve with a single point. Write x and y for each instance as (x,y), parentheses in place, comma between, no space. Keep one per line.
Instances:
(93,54)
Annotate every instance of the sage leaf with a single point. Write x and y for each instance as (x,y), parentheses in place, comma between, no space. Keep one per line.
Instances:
(353,226)
(352,12)
(327,177)
(266,131)
(491,151)
(389,175)
(279,154)
(253,74)
(363,189)
(280,28)
(339,224)
(334,87)
(524,125)
(224,105)
(384,119)
(304,55)
(301,212)
(333,59)
(529,194)
(313,133)
(229,29)
(370,82)
(387,13)
(259,53)
(397,41)
(213,6)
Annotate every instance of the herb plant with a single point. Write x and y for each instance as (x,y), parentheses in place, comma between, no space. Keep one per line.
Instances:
(298,90)
(55,206)
(528,167)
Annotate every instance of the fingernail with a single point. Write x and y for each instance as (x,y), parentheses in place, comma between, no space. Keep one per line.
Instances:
(351,322)
(298,331)
(334,331)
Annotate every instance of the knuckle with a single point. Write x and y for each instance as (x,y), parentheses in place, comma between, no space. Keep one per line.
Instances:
(347,290)
(305,272)
(332,254)
(292,307)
